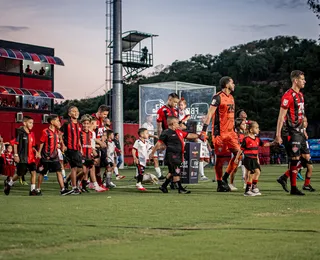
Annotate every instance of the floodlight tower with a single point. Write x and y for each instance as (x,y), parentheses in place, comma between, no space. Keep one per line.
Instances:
(117,82)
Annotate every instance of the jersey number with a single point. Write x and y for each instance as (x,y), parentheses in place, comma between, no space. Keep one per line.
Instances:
(230,108)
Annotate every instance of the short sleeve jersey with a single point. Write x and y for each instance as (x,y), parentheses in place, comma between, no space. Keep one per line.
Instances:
(142,149)
(163,113)
(26,142)
(250,146)
(71,135)
(111,151)
(50,141)
(100,126)
(8,158)
(174,140)
(294,103)
(183,114)
(223,120)
(86,144)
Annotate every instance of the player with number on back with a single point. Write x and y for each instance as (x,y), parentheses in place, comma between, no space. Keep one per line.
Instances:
(221,112)
(292,113)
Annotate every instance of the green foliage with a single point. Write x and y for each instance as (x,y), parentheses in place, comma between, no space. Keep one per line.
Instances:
(260,69)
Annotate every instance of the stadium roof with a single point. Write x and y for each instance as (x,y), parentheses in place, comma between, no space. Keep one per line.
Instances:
(131,38)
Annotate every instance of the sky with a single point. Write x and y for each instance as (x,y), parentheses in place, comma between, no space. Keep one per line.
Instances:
(76,30)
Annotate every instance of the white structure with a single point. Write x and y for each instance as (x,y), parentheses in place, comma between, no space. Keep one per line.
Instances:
(155,95)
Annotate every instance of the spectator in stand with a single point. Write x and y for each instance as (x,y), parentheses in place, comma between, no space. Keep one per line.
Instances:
(42,72)
(35,72)
(28,70)
(36,105)
(5,103)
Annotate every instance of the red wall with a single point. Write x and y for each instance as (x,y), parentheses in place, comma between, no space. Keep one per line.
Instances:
(10,81)
(8,125)
(37,84)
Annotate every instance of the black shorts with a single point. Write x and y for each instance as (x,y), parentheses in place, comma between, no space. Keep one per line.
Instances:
(74,158)
(49,166)
(174,162)
(88,163)
(140,169)
(304,162)
(296,144)
(23,168)
(109,164)
(251,164)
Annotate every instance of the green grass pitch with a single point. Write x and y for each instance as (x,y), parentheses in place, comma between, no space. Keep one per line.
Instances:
(126,224)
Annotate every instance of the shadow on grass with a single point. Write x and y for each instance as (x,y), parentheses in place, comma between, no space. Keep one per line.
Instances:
(169,228)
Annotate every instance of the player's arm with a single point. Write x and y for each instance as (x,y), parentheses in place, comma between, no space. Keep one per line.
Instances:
(15,148)
(62,132)
(282,114)
(159,145)
(216,100)
(159,128)
(236,160)
(135,159)
(100,143)
(243,146)
(211,112)
(41,147)
(192,136)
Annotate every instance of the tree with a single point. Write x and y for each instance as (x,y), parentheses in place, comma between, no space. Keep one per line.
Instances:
(261,70)
(314,5)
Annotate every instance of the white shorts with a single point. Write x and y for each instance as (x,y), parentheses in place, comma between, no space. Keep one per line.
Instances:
(204,151)
(60,155)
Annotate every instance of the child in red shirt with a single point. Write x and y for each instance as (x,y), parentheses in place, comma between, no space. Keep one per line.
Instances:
(8,162)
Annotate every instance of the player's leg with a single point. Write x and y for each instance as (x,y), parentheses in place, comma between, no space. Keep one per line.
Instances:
(94,182)
(32,167)
(84,179)
(116,171)
(220,149)
(306,163)
(157,168)
(109,170)
(296,144)
(232,176)
(204,159)
(250,169)
(176,165)
(168,179)
(42,169)
(232,143)
(8,183)
(255,180)
(140,173)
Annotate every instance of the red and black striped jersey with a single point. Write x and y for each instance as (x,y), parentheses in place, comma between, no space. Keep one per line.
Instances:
(85,139)
(100,126)
(71,135)
(250,146)
(8,158)
(163,113)
(50,141)
(294,103)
